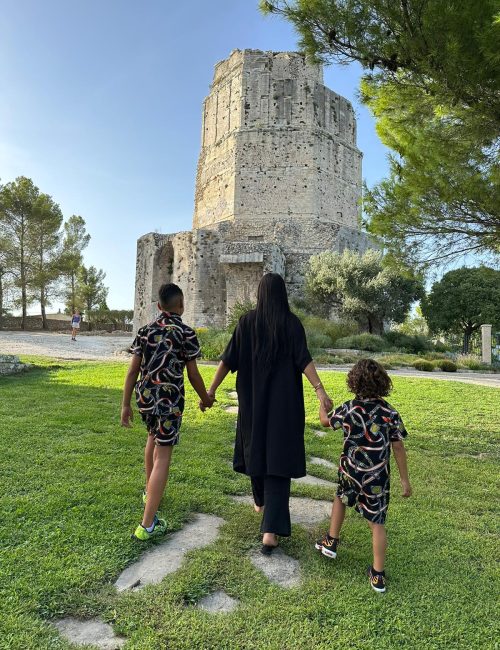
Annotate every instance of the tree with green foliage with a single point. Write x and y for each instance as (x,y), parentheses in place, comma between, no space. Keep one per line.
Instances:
(44,242)
(414,324)
(75,239)
(18,202)
(5,274)
(362,288)
(462,301)
(432,82)
(91,293)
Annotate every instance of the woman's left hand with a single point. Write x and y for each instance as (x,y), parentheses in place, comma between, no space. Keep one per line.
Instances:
(324,399)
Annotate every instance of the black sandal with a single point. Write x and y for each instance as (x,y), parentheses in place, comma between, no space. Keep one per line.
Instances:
(267,549)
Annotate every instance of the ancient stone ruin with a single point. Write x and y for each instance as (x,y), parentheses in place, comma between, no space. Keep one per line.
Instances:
(278,180)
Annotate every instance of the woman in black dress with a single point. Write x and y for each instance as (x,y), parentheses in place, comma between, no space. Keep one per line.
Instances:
(268,350)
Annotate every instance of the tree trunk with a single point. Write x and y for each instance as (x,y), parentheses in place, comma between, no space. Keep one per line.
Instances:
(1,296)
(73,306)
(467,334)
(23,288)
(45,325)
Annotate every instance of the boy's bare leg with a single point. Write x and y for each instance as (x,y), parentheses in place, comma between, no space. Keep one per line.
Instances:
(157,482)
(379,542)
(337,518)
(149,451)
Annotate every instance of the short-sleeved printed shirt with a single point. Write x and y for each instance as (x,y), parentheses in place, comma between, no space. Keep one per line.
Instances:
(369,427)
(165,345)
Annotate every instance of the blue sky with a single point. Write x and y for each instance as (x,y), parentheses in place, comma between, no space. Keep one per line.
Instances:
(101,107)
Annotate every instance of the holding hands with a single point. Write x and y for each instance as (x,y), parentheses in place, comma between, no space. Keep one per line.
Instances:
(325,401)
(207,403)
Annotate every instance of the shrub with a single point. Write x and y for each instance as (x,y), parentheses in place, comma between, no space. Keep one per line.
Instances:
(446,365)
(370,342)
(213,342)
(422,364)
(400,359)
(471,362)
(434,356)
(331,359)
(238,310)
(334,329)
(409,343)
(316,340)
(347,358)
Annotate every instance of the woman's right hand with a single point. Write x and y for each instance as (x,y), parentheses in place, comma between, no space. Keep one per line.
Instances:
(324,399)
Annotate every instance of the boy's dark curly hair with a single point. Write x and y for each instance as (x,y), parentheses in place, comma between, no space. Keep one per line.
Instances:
(369,379)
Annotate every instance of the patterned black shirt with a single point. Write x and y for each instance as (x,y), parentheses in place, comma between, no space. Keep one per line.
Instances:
(369,427)
(165,345)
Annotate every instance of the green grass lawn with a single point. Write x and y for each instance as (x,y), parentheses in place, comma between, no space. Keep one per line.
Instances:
(71,482)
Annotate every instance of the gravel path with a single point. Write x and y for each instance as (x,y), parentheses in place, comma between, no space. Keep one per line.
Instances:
(60,346)
(112,348)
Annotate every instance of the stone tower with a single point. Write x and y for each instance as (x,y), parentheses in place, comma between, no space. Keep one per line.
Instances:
(278,180)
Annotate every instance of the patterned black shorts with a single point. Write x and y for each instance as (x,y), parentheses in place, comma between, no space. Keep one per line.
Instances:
(371,502)
(164,428)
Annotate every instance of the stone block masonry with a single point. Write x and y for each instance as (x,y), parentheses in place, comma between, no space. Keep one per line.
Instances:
(278,180)
(10,365)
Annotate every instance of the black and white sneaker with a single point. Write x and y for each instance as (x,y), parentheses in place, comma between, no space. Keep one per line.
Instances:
(328,546)
(377,580)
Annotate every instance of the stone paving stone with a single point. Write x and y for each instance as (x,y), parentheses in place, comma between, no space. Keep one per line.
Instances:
(321,461)
(92,632)
(231,409)
(166,558)
(321,433)
(304,511)
(313,480)
(278,568)
(233,395)
(218,602)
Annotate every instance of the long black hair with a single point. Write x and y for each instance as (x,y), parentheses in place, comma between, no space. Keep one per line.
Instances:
(272,319)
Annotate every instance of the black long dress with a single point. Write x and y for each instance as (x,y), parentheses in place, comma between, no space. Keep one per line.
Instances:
(271,416)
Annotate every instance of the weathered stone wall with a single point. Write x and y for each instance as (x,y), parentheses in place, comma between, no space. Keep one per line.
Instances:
(278,180)
(10,364)
(35,323)
(276,145)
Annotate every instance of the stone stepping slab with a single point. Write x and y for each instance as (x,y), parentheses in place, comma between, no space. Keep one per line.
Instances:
(304,511)
(321,461)
(92,632)
(231,409)
(279,568)
(233,395)
(218,603)
(166,558)
(321,433)
(314,480)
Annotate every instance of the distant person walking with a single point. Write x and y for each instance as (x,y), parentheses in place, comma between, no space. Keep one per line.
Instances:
(268,350)
(76,319)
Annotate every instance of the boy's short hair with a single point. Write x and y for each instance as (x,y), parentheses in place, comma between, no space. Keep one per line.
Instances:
(369,379)
(170,295)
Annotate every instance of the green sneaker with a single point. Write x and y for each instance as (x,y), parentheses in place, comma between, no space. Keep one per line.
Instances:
(143,535)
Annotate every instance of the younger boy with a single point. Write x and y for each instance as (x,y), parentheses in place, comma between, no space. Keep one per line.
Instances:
(371,426)
(161,351)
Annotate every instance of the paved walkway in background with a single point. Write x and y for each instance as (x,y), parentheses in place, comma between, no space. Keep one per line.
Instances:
(60,346)
(480,379)
(113,348)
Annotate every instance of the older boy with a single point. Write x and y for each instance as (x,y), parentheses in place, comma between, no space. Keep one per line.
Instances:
(161,351)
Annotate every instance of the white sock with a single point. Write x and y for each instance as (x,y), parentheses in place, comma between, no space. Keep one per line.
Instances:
(150,528)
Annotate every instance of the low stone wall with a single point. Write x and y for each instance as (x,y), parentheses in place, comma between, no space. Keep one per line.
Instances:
(10,364)
(35,323)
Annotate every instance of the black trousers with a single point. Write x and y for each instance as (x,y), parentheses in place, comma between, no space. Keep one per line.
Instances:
(273,492)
